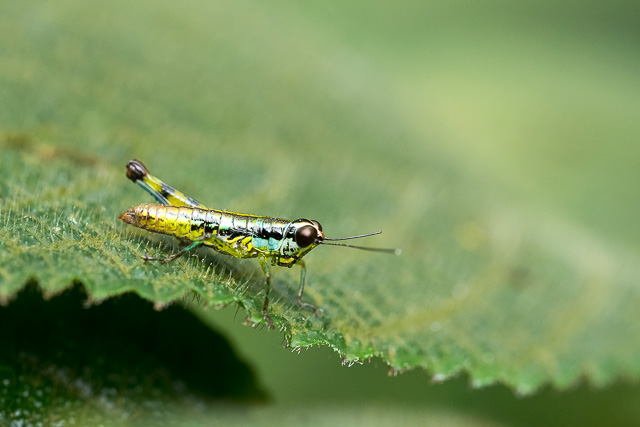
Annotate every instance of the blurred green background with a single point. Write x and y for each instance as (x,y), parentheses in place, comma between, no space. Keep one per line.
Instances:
(528,112)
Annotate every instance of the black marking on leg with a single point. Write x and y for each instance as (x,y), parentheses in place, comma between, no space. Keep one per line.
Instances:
(167,190)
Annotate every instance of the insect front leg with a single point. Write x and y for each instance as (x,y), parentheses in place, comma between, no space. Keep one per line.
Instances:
(267,272)
(174,256)
(303,276)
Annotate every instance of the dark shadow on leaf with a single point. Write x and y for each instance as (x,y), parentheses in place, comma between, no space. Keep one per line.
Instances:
(120,356)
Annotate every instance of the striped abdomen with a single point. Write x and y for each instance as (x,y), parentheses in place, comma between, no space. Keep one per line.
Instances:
(183,222)
(236,234)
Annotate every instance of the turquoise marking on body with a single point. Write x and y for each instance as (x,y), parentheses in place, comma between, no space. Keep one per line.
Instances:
(270,244)
(258,243)
(273,244)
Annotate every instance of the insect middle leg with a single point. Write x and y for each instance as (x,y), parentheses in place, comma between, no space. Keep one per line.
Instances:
(267,287)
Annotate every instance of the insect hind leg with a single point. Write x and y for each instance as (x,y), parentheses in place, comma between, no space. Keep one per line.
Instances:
(161,191)
(174,256)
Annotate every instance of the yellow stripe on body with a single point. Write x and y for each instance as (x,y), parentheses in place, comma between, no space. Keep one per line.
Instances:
(183,223)
(171,221)
(152,215)
(143,216)
(247,243)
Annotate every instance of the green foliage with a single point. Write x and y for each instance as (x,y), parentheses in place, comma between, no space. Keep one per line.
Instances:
(509,271)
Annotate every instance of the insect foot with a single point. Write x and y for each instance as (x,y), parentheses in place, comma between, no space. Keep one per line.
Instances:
(312,307)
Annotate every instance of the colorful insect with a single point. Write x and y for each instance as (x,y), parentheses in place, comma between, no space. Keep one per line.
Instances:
(274,241)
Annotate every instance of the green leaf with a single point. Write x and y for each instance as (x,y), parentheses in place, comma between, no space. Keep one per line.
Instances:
(503,274)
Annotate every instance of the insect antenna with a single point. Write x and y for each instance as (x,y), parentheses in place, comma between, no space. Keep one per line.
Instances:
(356,237)
(364,248)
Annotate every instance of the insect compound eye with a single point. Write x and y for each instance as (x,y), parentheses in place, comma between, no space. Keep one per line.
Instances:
(317,224)
(306,235)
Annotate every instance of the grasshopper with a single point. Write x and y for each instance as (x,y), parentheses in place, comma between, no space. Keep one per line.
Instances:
(273,241)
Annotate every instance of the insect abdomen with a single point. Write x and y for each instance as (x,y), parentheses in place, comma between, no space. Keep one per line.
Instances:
(182,222)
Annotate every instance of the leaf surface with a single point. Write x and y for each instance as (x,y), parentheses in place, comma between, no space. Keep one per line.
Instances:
(496,278)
